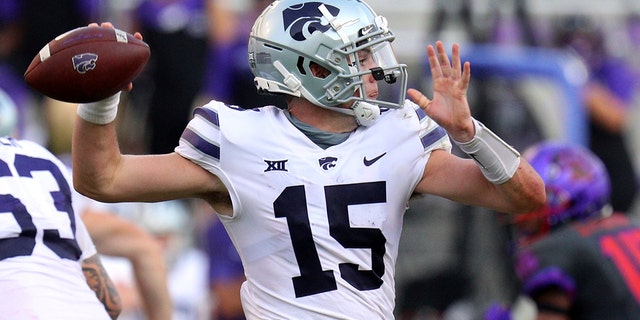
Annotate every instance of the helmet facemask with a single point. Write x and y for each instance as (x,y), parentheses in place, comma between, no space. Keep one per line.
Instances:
(369,55)
(334,35)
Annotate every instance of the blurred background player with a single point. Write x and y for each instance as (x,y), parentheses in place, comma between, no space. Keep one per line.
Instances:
(113,235)
(25,26)
(49,266)
(577,258)
(609,99)
(172,225)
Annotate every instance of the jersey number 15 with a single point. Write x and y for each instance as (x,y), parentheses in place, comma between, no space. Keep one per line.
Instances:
(292,205)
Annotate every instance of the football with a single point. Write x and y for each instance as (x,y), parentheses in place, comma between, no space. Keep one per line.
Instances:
(87,64)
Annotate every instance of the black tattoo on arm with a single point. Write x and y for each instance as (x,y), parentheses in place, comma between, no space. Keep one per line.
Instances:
(100,282)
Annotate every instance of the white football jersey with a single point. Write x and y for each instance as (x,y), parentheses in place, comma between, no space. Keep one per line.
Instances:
(317,230)
(42,239)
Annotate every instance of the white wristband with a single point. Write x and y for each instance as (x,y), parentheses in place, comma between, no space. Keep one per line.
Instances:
(497,160)
(100,112)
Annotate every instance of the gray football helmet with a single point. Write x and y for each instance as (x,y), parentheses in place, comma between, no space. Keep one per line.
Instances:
(291,35)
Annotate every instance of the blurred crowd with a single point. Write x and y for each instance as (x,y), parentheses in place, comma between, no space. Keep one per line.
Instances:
(198,53)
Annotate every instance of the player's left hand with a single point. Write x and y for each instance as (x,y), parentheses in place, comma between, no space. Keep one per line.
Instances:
(449,107)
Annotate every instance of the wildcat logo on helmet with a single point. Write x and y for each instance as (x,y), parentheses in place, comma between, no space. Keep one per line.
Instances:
(84,62)
(302,20)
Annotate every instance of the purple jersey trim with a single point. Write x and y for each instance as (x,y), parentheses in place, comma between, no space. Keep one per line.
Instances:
(433,136)
(201,144)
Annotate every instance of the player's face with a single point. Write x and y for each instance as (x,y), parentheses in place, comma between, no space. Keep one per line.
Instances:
(366,62)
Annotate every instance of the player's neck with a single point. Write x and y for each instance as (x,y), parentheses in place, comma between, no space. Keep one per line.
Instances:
(321,118)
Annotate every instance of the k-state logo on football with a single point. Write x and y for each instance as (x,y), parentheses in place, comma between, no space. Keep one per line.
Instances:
(84,62)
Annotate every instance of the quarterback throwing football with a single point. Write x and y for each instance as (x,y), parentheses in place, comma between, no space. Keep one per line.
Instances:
(313,196)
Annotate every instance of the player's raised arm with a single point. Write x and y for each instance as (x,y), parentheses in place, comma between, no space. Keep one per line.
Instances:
(103,173)
(499,179)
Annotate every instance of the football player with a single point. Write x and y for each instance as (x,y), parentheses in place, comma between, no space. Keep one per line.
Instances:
(313,196)
(49,267)
(577,259)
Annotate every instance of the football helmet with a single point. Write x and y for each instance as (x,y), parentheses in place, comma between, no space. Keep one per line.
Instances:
(576,182)
(290,36)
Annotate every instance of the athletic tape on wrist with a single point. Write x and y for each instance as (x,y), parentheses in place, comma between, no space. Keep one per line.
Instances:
(100,112)
(497,160)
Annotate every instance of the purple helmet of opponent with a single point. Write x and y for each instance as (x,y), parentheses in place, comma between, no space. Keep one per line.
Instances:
(576,182)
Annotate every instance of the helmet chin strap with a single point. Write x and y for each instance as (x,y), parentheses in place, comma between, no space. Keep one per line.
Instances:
(365,113)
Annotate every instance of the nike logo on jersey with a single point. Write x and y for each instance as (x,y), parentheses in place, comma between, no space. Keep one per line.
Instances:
(368,162)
